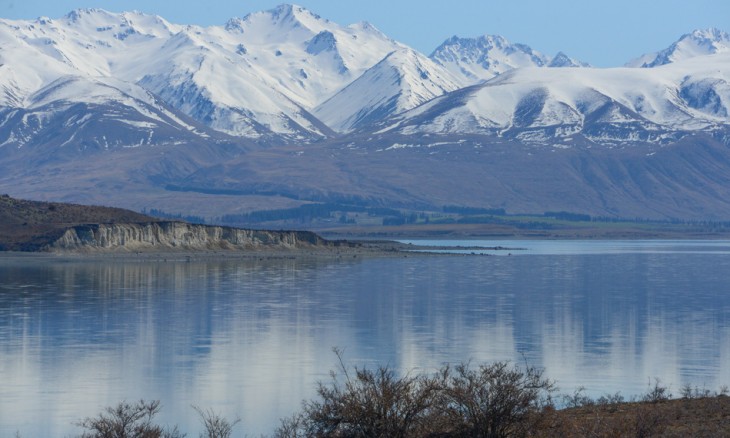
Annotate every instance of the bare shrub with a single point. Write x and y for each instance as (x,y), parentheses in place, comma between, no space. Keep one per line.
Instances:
(689,392)
(686,391)
(215,425)
(495,400)
(577,399)
(610,399)
(657,392)
(365,403)
(649,421)
(291,427)
(127,420)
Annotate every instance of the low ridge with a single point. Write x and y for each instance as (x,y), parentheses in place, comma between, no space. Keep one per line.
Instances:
(36,226)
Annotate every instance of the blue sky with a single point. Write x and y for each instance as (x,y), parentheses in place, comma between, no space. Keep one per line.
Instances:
(603,33)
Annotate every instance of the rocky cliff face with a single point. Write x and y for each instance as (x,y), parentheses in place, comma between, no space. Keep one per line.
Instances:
(161,236)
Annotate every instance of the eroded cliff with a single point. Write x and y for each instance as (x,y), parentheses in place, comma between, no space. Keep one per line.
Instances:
(162,236)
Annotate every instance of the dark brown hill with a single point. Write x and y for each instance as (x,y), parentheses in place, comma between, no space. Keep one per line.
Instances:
(29,225)
(57,227)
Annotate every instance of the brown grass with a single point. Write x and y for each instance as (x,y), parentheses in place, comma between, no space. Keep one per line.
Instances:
(700,417)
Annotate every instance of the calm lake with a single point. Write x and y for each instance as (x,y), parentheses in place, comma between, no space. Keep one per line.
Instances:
(250,338)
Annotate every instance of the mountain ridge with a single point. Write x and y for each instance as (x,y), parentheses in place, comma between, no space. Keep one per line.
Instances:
(284,107)
(272,68)
(696,43)
(478,59)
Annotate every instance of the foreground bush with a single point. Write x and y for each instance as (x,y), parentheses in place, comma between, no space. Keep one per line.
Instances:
(135,420)
(366,403)
(127,420)
(215,425)
(489,400)
(497,400)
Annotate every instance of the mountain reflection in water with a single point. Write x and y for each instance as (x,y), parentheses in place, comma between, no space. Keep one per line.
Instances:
(251,338)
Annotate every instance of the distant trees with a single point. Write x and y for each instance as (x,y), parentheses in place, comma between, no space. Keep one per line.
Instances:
(174,216)
(310,212)
(568,216)
(471,211)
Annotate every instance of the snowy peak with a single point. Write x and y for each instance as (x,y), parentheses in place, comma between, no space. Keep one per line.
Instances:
(563,60)
(472,60)
(697,43)
(323,41)
(482,58)
(605,106)
(303,56)
(285,23)
(93,41)
(257,76)
(403,80)
(99,22)
(292,14)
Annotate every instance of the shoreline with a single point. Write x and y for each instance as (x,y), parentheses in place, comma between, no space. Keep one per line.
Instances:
(353,248)
(345,249)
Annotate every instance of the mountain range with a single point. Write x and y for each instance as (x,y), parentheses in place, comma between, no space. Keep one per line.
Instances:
(284,107)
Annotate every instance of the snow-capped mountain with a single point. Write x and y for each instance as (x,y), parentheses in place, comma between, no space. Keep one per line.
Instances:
(284,72)
(306,56)
(603,105)
(287,107)
(266,71)
(476,59)
(563,60)
(76,113)
(256,76)
(289,75)
(696,43)
(401,81)
(472,60)
(24,68)
(49,96)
